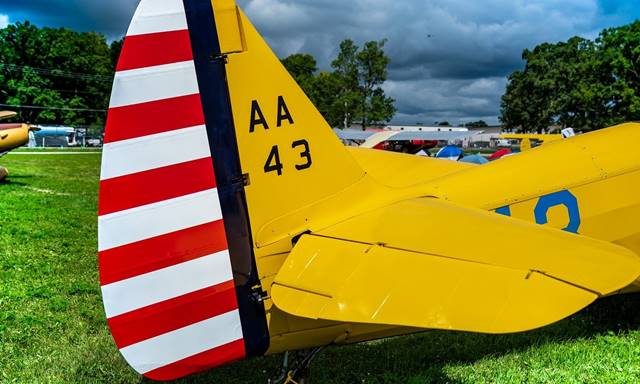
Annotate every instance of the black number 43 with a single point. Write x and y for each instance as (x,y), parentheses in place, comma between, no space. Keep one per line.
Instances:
(306,154)
(274,164)
(273,161)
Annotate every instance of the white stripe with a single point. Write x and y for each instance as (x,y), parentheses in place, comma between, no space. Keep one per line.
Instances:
(164,284)
(154,83)
(158,16)
(185,342)
(154,151)
(157,219)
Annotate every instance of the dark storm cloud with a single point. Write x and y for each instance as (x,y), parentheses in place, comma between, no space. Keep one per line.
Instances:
(441,51)
(449,57)
(110,17)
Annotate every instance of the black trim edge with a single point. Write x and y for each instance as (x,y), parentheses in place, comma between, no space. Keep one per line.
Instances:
(214,94)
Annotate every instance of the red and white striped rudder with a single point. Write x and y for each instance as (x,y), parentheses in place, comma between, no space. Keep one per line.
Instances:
(165,266)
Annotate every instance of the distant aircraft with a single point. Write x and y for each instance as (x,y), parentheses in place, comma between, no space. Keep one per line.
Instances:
(234,223)
(54,136)
(410,141)
(527,139)
(12,136)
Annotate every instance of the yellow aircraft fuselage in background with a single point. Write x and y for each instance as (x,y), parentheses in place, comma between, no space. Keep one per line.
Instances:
(12,136)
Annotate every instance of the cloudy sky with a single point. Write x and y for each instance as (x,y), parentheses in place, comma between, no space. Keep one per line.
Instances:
(449,58)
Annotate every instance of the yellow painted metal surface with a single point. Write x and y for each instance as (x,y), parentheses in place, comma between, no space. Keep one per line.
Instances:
(564,164)
(399,170)
(278,127)
(609,210)
(603,179)
(416,231)
(227,16)
(392,267)
(478,236)
(13,138)
(373,285)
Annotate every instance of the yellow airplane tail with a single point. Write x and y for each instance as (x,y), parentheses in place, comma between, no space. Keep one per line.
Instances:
(206,132)
(285,145)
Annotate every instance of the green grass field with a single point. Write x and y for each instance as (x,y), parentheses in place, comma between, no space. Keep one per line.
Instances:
(66,149)
(52,328)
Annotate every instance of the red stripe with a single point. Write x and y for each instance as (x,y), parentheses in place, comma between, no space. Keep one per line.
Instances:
(154,320)
(200,362)
(156,185)
(4,127)
(161,252)
(153,49)
(159,116)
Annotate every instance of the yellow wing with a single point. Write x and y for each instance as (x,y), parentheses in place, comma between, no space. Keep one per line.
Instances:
(430,264)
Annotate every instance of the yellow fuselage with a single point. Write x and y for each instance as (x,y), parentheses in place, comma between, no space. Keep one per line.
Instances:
(577,184)
(13,136)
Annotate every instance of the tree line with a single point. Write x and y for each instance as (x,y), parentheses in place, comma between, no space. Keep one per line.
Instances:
(351,92)
(56,75)
(59,76)
(580,83)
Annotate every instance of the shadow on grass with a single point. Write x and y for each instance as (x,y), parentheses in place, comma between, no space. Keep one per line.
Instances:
(20,177)
(421,358)
(9,181)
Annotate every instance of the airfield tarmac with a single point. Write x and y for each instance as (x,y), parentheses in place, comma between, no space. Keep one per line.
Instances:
(52,326)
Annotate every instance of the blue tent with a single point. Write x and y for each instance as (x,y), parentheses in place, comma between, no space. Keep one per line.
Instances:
(450,152)
(474,159)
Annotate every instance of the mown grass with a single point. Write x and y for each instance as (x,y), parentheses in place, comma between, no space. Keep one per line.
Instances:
(52,328)
(56,149)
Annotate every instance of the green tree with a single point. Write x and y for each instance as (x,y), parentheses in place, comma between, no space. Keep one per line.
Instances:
(476,124)
(60,72)
(529,92)
(580,83)
(326,97)
(352,90)
(346,72)
(380,107)
(620,48)
(115,48)
(372,65)
(303,68)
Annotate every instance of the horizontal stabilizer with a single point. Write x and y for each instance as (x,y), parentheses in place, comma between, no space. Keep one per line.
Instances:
(502,276)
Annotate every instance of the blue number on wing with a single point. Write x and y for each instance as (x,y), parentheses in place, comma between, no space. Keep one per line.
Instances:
(565,198)
(506,210)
